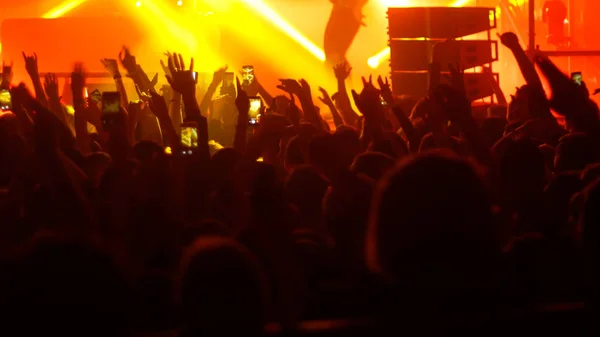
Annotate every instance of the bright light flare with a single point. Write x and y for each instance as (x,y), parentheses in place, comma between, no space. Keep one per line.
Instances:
(63,9)
(460,3)
(375,60)
(138,4)
(268,13)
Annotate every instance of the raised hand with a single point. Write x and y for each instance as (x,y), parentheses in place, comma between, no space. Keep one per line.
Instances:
(128,61)
(219,75)
(78,83)
(181,80)
(144,97)
(51,87)
(510,40)
(386,90)
(290,86)
(31,64)
(112,67)
(368,101)
(325,98)
(305,87)
(7,75)
(158,105)
(242,102)
(164,66)
(342,70)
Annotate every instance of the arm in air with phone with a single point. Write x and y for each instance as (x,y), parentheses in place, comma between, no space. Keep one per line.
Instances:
(112,67)
(184,82)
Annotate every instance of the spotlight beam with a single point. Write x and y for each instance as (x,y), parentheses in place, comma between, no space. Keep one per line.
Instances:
(268,13)
(63,9)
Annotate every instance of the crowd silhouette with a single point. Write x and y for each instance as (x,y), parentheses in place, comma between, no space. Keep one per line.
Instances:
(399,215)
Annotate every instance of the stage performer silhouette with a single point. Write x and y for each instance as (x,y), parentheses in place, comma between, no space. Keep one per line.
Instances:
(343,25)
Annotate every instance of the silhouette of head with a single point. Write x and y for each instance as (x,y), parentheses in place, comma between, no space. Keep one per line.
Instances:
(372,164)
(222,290)
(430,223)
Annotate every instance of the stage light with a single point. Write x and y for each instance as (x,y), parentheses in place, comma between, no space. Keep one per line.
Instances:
(375,60)
(285,27)
(460,3)
(63,9)
(179,3)
(138,4)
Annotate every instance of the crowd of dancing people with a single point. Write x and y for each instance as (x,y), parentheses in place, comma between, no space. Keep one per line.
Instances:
(411,214)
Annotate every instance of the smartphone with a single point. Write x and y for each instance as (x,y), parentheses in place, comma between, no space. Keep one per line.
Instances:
(5,100)
(248,74)
(228,79)
(577,78)
(189,137)
(255,109)
(95,95)
(111,102)
(195,76)
(111,106)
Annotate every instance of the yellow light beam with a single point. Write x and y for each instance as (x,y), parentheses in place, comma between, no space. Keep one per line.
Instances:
(63,9)
(285,27)
(375,60)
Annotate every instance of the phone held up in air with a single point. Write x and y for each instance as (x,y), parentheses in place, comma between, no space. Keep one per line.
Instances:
(228,79)
(96,96)
(195,76)
(577,78)
(256,106)
(5,100)
(189,138)
(111,107)
(248,75)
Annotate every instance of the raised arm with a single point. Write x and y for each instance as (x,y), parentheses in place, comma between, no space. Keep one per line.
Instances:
(342,72)
(54,104)
(182,81)
(112,68)
(31,65)
(212,88)
(82,136)
(539,105)
(326,99)
(511,41)
(242,103)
